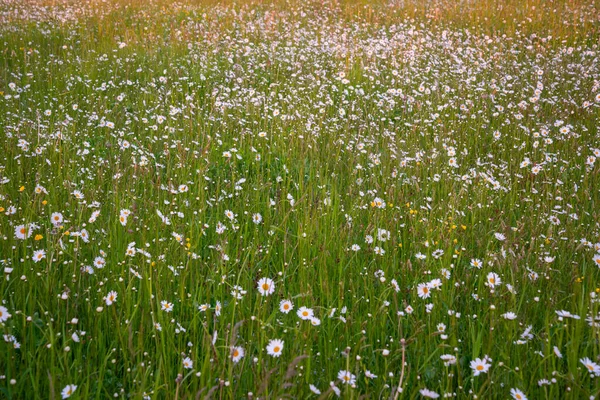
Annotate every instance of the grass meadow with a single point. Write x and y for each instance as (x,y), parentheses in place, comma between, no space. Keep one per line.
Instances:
(299,199)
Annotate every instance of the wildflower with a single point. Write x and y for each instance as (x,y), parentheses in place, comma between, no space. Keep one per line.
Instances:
(314,389)
(56,218)
(40,189)
(592,367)
(378,202)
(237,353)
(347,377)
(4,315)
(165,220)
(111,297)
(566,314)
(22,232)
(94,216)
(166,306)
(266,286)
(188,363)
(557,352)
(370,375)
(430,394)
(480,366)
(238,292)
(285,306)
(220,228)
(68,391)
(517,394)
(275,347)
(383,235)
(38,255)
(305,313)
(203,307)
(509,315)
(597,260)
(435,284)
(99,262)
(448,359)
(423,290)
(493,280)
(257,218)
(335,389)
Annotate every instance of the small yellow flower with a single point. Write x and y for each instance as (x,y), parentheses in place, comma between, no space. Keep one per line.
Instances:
(45,202)
(67,233)
(1,209)
(455,241)
(21,188)
(464,227)
(38,237)
(153,264)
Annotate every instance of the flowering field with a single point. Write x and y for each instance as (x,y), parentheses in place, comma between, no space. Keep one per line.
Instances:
(299,199)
